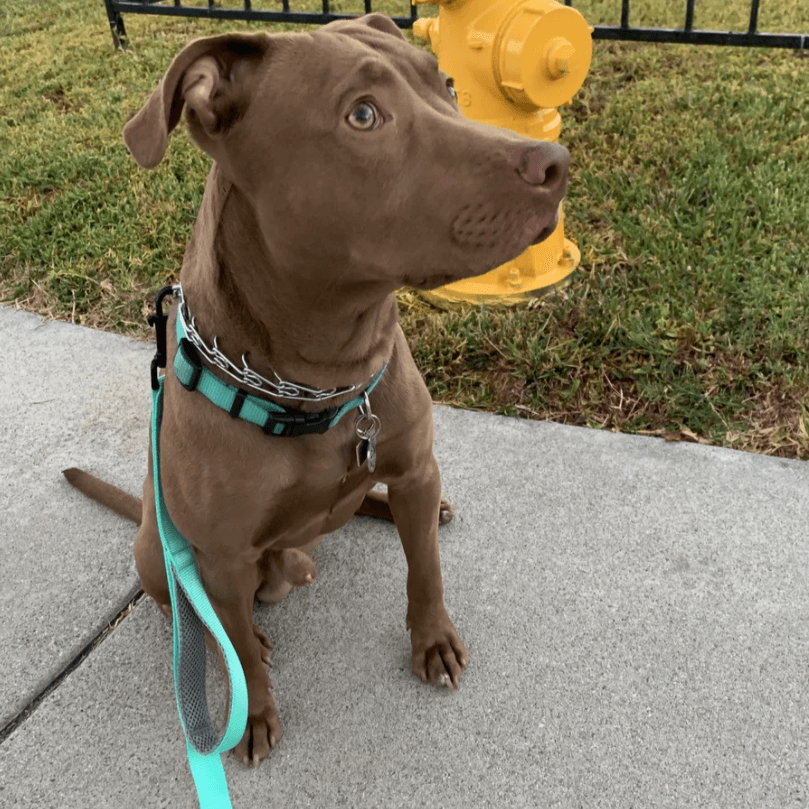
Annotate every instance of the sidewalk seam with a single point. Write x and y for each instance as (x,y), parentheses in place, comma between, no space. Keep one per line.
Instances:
(135,598)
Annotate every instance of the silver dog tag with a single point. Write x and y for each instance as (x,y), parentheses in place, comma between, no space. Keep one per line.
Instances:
(366,451)
(362,451)
(367,427)
(371,453)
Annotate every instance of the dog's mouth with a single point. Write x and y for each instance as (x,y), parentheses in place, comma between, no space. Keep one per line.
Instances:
(546,232)
(433,282)
(436,280)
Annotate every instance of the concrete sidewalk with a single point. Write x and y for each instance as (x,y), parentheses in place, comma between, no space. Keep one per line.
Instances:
(636,613)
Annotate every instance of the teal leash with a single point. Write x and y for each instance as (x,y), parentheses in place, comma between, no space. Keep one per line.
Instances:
(192,613)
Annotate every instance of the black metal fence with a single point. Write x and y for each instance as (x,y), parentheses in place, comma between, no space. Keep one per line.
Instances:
(687,34)
(115,8)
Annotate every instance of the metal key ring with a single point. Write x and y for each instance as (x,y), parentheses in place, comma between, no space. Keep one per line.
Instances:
(368,432)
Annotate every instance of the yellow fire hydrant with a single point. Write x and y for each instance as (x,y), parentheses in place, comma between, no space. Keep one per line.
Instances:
(514,63)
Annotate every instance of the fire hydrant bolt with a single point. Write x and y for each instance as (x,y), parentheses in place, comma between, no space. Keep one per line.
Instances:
(560,55)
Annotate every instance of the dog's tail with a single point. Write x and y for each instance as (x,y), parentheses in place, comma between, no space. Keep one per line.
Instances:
(108,495)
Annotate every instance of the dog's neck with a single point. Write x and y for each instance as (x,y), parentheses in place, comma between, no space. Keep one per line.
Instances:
(323,337)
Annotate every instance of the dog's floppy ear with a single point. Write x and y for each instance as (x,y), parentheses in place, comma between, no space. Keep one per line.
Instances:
(383,23)
(208,76)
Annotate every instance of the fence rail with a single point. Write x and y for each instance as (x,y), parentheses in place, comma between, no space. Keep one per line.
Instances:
(690,36)
(115,8)
(687,34)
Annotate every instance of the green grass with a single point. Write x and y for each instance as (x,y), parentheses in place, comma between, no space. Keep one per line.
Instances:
(688,317)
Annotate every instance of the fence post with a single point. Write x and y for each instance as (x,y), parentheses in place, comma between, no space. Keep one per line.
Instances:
(119,37)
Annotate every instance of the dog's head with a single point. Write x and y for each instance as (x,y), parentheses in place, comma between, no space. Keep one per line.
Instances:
(354,135)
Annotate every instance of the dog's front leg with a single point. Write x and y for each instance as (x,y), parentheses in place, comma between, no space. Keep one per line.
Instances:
(439,655)
(231,589)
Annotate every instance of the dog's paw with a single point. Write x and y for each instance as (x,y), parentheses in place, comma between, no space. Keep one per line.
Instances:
(445,513)
(297,567)
(283,570)
(439,655)
(262,733)
(266,646)
(165,609)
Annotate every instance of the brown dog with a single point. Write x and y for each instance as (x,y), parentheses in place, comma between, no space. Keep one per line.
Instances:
(343,169)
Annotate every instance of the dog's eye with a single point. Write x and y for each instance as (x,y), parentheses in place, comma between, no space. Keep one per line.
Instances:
(451,89)
(364,116)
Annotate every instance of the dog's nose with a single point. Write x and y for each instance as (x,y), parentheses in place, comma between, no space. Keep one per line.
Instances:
(543,163)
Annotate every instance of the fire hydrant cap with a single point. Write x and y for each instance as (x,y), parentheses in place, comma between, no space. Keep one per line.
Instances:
(544,53)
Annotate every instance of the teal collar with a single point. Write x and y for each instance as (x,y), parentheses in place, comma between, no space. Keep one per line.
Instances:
(274,419)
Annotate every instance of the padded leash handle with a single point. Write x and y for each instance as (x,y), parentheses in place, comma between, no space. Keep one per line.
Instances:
(192,613)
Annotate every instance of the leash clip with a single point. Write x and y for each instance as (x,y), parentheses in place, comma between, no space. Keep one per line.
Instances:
(158,321)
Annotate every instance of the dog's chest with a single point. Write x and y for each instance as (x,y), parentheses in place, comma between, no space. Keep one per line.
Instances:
(322,499)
